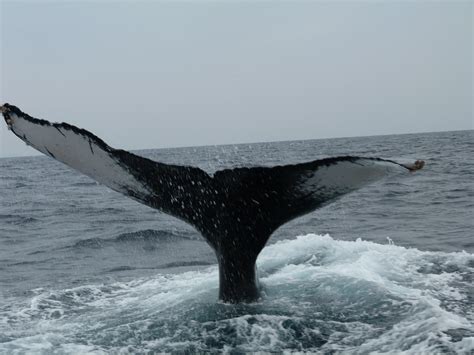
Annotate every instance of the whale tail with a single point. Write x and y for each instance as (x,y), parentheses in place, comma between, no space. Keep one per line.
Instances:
(236,210)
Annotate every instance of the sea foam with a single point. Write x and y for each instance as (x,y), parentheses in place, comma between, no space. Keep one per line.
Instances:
(319,295)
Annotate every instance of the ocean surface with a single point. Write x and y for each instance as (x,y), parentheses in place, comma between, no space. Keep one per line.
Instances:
(388,268)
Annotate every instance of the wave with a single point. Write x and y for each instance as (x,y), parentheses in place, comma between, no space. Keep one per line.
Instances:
(85,183)
(163,266)
(320,295)
(146,235)
(151,235)
(17,219)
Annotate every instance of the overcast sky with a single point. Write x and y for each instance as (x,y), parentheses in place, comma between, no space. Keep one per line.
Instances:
(166,74)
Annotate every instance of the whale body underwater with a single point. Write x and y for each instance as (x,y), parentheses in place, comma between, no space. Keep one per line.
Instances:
(235,210)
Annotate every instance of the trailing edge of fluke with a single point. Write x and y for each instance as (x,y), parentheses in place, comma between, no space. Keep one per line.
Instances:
(236,210)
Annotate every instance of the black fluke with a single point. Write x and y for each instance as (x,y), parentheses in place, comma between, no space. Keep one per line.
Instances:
(236,210)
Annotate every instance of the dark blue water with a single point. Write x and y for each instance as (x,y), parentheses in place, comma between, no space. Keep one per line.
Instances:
(388,268)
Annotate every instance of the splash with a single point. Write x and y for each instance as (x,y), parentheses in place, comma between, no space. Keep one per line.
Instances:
(320,295)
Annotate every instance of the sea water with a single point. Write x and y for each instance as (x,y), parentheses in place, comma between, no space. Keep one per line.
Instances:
(388,268)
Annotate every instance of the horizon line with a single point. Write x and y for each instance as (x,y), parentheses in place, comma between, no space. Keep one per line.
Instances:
(260,142)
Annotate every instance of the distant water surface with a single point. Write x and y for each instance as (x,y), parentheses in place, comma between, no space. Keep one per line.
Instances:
(389,267)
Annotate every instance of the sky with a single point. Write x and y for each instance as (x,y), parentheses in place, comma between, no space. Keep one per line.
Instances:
(155,74)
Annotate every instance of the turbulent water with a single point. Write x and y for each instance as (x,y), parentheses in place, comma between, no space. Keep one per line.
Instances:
(386,269)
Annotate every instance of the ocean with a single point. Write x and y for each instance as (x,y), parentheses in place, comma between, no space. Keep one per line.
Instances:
(386,269)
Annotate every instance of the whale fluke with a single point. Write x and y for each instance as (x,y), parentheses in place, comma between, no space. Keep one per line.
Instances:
(236,210)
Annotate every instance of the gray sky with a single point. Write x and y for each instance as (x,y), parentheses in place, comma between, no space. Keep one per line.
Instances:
(166,74)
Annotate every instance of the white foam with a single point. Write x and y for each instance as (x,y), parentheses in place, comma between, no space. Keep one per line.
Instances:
(321,295)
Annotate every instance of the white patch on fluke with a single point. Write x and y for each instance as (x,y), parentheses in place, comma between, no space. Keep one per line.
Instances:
(79,152)
(345,176)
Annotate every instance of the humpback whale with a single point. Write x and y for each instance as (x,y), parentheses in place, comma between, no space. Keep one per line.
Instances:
(235,210)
